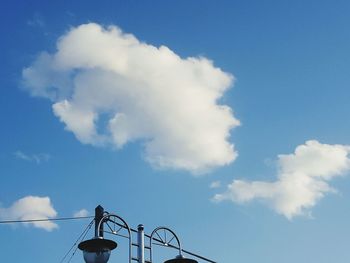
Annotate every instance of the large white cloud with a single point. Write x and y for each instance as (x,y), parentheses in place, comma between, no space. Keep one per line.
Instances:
(110,89)
(302,179)
(31,207)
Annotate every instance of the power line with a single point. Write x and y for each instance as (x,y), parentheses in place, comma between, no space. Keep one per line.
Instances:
(80,238)
(44,219)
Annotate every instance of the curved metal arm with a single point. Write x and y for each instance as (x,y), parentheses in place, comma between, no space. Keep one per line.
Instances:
(106,217)
(172,232)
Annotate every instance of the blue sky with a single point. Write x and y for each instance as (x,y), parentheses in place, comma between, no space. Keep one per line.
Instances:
(280,195)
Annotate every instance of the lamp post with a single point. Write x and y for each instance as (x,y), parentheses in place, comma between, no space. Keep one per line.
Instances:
(98,249)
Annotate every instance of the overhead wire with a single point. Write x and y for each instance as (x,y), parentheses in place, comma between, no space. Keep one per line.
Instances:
(43,219)
(81,237)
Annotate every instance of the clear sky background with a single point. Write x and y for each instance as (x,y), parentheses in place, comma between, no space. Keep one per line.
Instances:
(283,198)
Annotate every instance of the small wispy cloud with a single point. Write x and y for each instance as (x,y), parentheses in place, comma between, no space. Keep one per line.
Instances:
(81,213)
(215,184)
(37,158)
(302,180)
(31,207)
(36,21)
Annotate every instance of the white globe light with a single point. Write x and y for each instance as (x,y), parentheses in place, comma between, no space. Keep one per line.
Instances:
(97,250)
(96,257)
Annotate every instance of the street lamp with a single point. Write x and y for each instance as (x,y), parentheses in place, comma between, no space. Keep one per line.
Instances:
(98,249)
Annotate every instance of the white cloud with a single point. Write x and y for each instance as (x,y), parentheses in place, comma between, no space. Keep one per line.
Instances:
(37,158)
(302,179)
(81,213)
(110,89)
(31,207)
(215,184)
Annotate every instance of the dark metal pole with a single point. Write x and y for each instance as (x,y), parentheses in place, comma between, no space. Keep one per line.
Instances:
(99,211)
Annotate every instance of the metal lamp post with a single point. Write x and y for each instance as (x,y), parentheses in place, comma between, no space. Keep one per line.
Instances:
(98,249)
